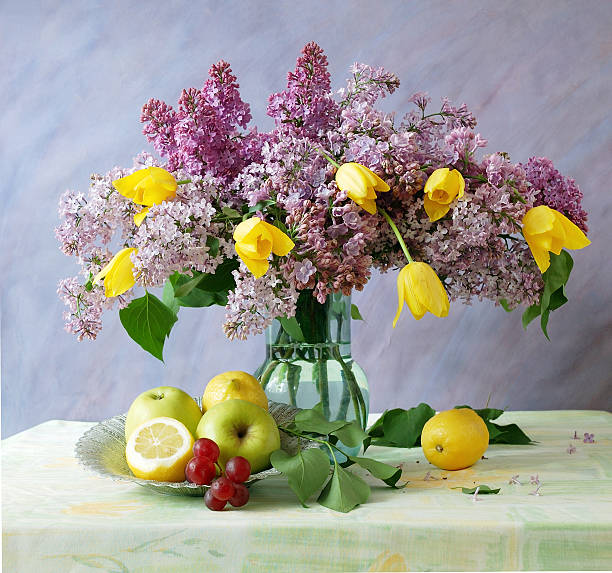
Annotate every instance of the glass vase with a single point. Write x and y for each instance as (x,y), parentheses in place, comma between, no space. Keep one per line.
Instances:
(308,361)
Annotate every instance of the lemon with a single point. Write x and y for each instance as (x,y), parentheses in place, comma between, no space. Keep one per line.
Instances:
(159,449)
(231,385)
(454,439)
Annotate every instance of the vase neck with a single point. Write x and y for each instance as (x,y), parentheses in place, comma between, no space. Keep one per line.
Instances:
(315,324)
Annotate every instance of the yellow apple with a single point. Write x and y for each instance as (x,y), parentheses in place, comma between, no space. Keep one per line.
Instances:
(241,428)
(164,401)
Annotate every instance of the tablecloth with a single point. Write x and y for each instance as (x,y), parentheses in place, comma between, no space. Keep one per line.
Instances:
(57,516)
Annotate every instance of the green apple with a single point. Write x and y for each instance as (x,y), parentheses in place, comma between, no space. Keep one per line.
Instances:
(241,428)
(163,401)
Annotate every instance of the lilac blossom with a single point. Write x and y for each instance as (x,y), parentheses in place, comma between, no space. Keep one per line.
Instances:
(553,189)
(477,249)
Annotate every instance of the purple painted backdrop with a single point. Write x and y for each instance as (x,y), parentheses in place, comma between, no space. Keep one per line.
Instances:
(75,75)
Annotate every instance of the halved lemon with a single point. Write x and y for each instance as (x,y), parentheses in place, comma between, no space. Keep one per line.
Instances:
(159,450)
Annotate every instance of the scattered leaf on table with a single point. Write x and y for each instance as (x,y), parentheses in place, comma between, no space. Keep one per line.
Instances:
(484,489)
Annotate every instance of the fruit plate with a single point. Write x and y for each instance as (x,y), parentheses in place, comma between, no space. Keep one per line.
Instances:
(102,449)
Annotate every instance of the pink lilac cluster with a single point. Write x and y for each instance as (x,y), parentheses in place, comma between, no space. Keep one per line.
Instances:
(203,135)
(284,177)
(555,190)
(307,107)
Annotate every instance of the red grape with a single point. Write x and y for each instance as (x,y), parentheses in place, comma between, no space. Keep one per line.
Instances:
(205,448)
(222,488)
(241,495)
(238,469)
(200,471)
(212,502)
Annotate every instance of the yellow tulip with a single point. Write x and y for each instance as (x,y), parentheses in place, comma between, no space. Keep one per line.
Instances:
(548,231)
(441,189)
(141,216)
(255,240)
(118,275)
(360,184)
(150,186)
(419,286)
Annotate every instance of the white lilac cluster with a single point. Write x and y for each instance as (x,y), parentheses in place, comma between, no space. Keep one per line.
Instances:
(255,303)
(174,236)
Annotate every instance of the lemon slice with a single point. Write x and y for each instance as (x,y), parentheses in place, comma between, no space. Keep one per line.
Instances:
(159,450)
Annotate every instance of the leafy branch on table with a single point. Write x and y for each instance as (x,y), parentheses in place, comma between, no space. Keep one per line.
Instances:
(308,470)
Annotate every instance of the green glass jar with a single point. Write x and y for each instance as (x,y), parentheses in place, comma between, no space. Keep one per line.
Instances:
(308,361)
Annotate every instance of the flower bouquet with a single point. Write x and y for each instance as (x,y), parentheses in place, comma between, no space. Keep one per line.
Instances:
(280,224)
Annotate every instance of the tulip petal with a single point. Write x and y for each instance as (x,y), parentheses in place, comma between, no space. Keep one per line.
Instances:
(428,289)
(158,187)
(373,180)
(434,210)
(258,267)
(281,243)
(459,182)
(352,180)
(436,179)
(243,230)
(118,274)
(538,220)
(140,217)
(541,256)
(400,295)
(368,205)
(574,237)
(127,185)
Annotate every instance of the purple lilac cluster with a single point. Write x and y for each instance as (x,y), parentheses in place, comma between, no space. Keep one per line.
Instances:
(203,135)
(555,190)
(476,249)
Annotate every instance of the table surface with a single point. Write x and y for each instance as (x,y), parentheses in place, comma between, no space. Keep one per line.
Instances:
(57,516)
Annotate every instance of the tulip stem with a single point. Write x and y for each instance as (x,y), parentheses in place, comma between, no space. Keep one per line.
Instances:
(397,234)
(332,161)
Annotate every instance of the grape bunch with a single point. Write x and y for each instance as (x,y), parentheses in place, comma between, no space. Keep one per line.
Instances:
(202,470)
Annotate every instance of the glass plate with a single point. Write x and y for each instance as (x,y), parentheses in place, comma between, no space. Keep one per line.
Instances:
(102,449)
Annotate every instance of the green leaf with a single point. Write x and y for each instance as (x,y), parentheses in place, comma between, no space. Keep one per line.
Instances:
(530,314)
(292,328)
(389,474)
(230,213)
(260,205)
(487,413)
(556,275)
(212,243)
(344,491)
(557,298)
(509,434)
(168,294)
(203,298)
(498,434)
(351,435)
(553,296)
(484,489)
(306,471)
(505,305)
(401,428)
(185,285)
(355,314)
(148,321)
(315,422)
